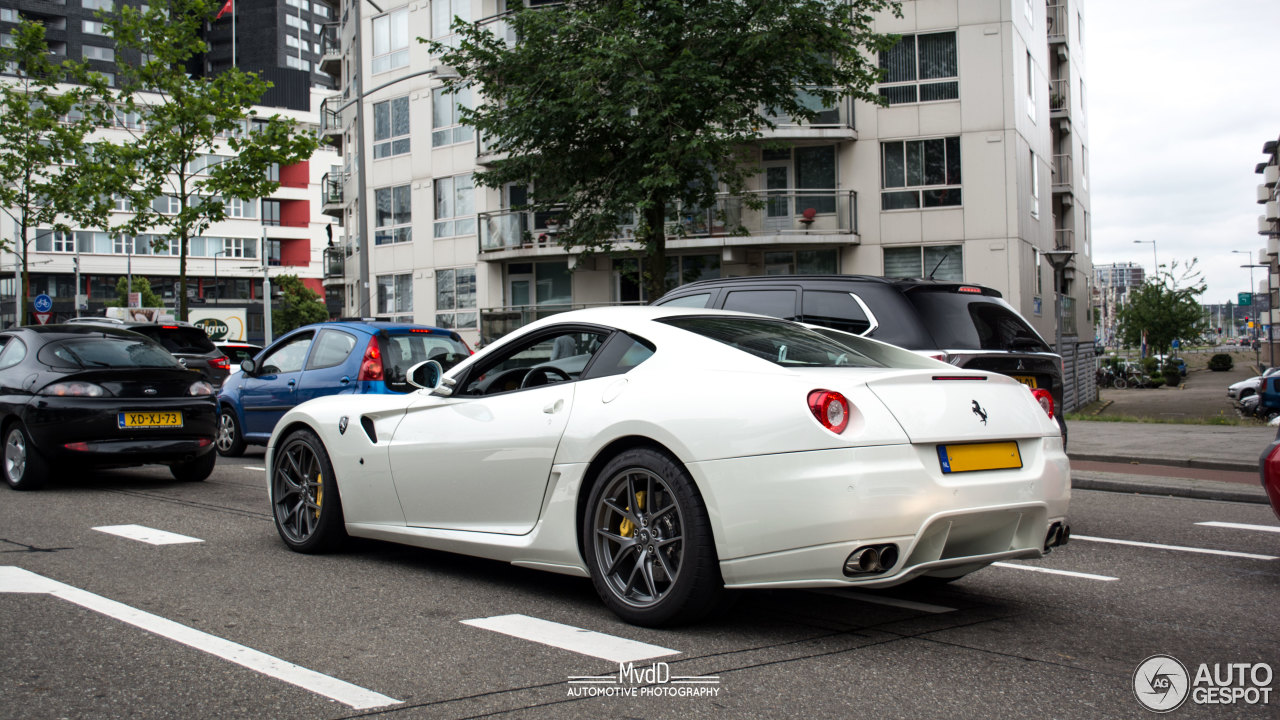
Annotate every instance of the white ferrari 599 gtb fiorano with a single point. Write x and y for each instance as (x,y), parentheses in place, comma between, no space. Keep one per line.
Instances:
(671,453)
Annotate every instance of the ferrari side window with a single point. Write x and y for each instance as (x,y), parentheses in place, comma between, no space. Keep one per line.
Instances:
(621,353)
(545,359)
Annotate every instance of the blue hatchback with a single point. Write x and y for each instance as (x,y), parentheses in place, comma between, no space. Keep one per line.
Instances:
(330,358)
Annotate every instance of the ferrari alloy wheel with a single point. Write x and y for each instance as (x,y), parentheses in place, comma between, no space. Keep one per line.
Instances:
(304,495)
(230,441)
(24,469)
(648,541)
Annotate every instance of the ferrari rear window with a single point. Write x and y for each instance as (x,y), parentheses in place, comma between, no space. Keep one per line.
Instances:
(106,352)
(779,342)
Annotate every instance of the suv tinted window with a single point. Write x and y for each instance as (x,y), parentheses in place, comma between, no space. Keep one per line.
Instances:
(177,339)
(699,300)
(834,310)
(975,322)
(778,303)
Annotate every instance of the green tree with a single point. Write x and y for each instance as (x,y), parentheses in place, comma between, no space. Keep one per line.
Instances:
(299,305)
(43,131)
(140,285)
(1165,307)
(627,108)
(188,124)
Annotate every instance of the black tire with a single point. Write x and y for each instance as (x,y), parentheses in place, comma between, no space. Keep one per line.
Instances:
(24,467)
(630,555)
(305,502)
(1119,383)
(195,470)
(1244,394)
(230,440)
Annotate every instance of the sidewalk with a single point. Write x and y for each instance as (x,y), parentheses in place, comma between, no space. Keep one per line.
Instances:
(1223,448)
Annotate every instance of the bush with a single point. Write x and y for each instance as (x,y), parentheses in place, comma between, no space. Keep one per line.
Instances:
(1151,366)
(1220,362)
(1172,377)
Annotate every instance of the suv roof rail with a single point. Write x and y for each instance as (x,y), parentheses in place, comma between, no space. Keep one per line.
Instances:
(107,320)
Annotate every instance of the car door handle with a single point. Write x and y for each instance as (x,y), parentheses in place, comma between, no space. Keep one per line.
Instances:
(554,407)
(292,383)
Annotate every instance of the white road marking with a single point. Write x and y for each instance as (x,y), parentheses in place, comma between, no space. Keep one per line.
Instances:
(882,600)
(1051,571)
(145,534)
(1241,526)
(254,467)
(17,580)
(567,637)
(1135,543)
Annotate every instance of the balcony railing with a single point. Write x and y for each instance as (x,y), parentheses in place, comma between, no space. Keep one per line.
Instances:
(1061,173)
(756,213)
(330,115)
(1056,15)
(330,42)
(501,28)
(1059,95)
(496,322)
(1064,239)
(839,115)
(331,188)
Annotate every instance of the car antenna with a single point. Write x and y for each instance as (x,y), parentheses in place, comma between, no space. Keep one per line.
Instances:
(935,267)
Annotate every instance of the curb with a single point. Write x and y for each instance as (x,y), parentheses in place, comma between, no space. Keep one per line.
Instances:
(1223,465)
(1192,489)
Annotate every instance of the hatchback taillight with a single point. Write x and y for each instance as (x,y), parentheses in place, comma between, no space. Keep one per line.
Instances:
(371,365)
(221,363)
(831,409)
(1045,398)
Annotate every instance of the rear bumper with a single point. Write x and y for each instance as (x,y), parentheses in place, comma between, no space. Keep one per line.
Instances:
(87,431)
(792,520)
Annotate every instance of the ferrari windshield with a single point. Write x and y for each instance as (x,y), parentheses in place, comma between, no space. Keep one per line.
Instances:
(778,341)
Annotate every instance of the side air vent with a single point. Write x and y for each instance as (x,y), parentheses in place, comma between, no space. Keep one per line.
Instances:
(367,423)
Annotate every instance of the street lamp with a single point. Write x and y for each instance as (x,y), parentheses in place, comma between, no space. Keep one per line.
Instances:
(217,289)
(1155,269)
(1059,260)
(1257,350)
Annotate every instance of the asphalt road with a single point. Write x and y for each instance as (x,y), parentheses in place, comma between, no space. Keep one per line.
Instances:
(132,629)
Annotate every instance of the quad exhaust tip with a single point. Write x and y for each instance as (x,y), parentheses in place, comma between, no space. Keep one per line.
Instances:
(871,560)
(1059,534)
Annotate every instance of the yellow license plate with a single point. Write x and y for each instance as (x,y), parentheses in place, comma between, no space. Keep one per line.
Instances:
(1027,380)
(149,419)
(979,456)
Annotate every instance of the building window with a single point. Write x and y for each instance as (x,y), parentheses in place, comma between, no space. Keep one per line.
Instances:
(447,127)
(92,27)
(1031,88)
(394,210)
(1035,186)
(801,262)
(456,299)
(391,41)
(54,241)
(270,212)
(240,247)
(442,14)
(921,68)
(297,63)
(455,201)
(244,209)
(929,168)
(166,205)
(391,127)
(93,52)
(1035,263)
(98,5)
(940,262)
(395,294)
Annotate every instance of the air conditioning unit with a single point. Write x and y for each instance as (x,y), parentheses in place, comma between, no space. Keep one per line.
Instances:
(1271,175)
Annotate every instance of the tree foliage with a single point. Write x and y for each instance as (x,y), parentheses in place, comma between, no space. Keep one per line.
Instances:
(634,108)
(1165,307)
(142,286)
(299,305)
(186,118)
(43,131)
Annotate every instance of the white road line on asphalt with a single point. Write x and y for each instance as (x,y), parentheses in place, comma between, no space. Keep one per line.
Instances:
(568,637)
(1241,526)
(1135,543)
(254,467)
(881,600)
(1051,571)
(141,533)
(17,580)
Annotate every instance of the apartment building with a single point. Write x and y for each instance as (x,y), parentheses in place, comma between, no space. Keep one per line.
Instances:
(1269,227)
(1111,285)
(975,168)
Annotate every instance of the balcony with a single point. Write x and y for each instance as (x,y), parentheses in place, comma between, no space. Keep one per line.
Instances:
(331,125)
(1056,15)
(496,322)
(1059,97)
(831,123)
(778,216)
(485,154)
(1064,239)
(1062,173)
(331,49)
(335,261)
(501,28)
(332,200)
(1266,227)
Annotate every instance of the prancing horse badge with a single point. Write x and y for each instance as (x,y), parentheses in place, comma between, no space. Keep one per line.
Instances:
(342,425)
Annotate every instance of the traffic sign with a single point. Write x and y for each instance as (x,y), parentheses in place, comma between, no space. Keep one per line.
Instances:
(1245,299)
(43,303)
(43,317)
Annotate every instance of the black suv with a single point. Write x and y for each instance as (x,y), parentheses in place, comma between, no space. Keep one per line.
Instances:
(967,325)
(185,341)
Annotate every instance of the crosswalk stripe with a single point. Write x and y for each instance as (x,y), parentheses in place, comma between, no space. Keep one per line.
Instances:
(573,639)
(141,533)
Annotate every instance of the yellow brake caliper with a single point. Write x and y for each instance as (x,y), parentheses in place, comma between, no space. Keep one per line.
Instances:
(626,527)
(319,492)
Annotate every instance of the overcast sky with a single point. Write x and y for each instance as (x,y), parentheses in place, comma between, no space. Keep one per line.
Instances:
(1181,96)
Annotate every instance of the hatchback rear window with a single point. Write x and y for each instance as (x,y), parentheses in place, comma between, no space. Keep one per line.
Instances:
(106,352)
(975,322)
(401,351)
(177,339)
(782,343)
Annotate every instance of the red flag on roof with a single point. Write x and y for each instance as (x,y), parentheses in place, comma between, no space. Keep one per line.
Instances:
(228,7)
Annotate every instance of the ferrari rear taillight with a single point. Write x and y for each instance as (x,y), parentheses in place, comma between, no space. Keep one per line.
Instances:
(1045,398)
(831,409)
(1271,478)
(371,365)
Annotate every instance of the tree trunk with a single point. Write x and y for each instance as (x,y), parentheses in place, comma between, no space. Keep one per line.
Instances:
(182,277)
(24,288)
(655,261)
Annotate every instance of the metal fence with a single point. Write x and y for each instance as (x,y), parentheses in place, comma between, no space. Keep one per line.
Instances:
(1079,383)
